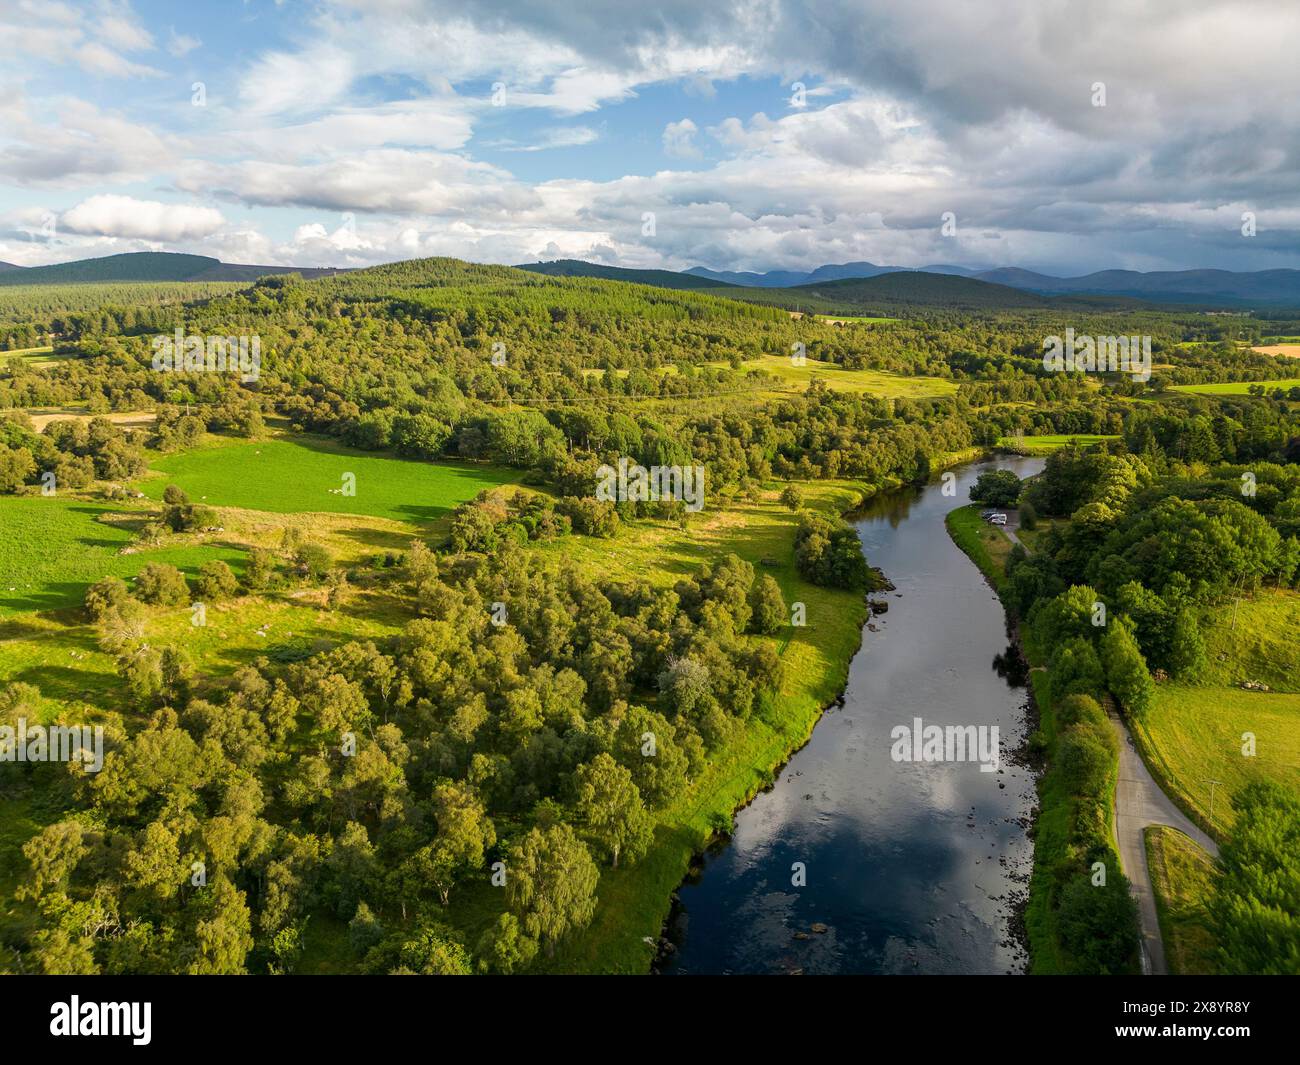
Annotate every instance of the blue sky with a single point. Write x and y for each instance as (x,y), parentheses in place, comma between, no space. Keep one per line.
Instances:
(343,132)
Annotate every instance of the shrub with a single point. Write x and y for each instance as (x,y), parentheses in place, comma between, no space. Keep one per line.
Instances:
(108,593)
(1099,925)
(215,581)
(162,585)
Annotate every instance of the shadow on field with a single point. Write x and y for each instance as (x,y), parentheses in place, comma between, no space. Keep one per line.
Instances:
(389,541)
(66,684)
(53,595)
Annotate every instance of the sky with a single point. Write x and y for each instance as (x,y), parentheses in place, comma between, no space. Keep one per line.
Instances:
(1055,135)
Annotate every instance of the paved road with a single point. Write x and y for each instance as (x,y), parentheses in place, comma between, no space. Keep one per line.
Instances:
(1140,802)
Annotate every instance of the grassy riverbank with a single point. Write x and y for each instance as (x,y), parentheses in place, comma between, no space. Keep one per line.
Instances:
(1065,820)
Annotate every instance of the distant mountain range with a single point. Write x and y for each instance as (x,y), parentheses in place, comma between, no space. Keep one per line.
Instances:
(840,272)
(658,278)
(1166,286)
(146,266)
(1216,288)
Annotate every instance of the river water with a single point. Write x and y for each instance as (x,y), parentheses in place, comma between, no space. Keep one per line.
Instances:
(911,867)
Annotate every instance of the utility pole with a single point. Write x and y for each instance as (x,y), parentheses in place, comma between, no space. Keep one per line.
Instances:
(1212,783)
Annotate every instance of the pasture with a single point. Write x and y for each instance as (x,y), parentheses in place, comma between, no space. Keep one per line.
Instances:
(869,382)
(52,547)
(307,475)
(1235,388)
(1197,733)
(1041,445)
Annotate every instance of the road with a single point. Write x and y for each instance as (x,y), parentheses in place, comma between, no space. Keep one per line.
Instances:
(1140,802)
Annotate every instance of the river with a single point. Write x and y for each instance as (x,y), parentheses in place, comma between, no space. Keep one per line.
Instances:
(907,867)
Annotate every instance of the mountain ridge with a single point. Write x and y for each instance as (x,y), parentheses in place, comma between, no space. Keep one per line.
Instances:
(156,266)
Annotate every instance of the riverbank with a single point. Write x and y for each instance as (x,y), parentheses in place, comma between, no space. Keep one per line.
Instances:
(910,868)
(1058,846)
(636,900)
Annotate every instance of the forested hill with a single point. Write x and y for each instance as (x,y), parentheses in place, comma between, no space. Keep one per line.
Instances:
(912,291)
(146,266)
(660,278)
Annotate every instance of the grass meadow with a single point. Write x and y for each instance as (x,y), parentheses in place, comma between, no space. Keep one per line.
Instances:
(306,475)
(1196,733)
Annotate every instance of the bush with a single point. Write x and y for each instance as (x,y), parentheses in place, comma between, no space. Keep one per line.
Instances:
(314,561)
(1099,925)
(108,593)
(260,570)
(1085,755)
(792,497)
(162,585)
(215,581)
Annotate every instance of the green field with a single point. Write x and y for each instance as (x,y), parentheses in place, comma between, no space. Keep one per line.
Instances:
(871,382)
(34,356)
(51,548)
(1194,733)
(1236,388)
(1182,877)
(305,475)
(1041,445)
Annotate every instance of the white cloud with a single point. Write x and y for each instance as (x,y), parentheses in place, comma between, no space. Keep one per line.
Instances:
(679,139)
(124,216)
(99,59)
(181,44)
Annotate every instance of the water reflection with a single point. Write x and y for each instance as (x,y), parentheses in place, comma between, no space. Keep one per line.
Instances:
(910,867)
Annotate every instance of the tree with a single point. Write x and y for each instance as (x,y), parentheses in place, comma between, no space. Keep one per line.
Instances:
(1255,908)
(465,832)
(259,570)
(434,951)
(215,581)
(611,806)
(1187,657)
(551,884)
(1126,669)
(504,948)
(768,613)
(1099,924)
(162,585)
(107,593)
(313,561)
(996,488)
(792,497)
(222,934)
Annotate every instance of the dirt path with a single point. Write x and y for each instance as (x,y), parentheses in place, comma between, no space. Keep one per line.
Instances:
(1139,802)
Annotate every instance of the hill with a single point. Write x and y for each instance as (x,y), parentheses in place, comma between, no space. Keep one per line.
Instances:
(147,266)
(1172,286)
(660,278)
(8,266)
(833,272)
